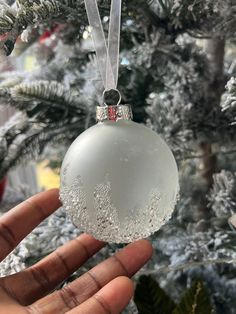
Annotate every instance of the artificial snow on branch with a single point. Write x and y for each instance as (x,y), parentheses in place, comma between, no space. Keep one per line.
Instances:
(228,103)
(222,198)
(16,18)
(48,91)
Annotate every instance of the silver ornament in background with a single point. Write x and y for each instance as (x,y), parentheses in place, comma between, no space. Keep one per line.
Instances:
(119,179)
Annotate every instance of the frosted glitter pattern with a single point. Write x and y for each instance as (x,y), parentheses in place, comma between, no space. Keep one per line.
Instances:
(119,181)
(105,224)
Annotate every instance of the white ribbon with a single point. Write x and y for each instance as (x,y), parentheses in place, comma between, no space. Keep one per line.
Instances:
(107,57)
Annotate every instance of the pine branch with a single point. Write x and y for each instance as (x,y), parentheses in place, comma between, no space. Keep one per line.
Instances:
(51,114)
(45,100)
(14,22)
(9,133)
(165,6)
(204,18)
(22,139)
(197,18)
(43,90)
(187,266)
(200,19)
(222,197)
(12,79)
(7,18)
(31,12)
(46,91)
(228,103)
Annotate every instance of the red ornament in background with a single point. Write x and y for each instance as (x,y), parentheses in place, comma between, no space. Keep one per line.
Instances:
(49,32)
(3,183)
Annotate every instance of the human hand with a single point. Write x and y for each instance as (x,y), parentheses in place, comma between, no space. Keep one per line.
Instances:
(106,288)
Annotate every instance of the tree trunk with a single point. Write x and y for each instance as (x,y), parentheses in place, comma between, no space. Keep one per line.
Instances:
(215,49)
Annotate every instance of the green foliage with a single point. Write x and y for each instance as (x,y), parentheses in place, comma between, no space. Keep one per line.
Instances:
(41,10)
(151,299)
(7,19)
(195,301)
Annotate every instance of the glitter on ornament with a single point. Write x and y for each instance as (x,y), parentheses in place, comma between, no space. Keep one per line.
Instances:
(104,223)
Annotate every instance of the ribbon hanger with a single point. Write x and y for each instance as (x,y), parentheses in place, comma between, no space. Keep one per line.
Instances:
(107,56)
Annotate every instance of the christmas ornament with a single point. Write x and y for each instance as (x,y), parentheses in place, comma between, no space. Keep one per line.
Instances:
(119,179)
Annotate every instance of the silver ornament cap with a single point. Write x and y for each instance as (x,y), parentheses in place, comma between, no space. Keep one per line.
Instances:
(114,113)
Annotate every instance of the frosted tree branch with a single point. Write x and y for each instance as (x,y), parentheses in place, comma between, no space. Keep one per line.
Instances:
(186,266)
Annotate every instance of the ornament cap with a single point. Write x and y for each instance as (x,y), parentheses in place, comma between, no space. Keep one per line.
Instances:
(114,113)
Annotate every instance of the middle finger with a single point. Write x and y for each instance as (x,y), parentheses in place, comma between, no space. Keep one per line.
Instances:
(124,263)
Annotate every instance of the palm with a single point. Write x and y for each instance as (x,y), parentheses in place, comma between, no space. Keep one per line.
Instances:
(104,289)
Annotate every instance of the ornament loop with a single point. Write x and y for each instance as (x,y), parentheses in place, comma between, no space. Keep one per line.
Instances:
(111,97)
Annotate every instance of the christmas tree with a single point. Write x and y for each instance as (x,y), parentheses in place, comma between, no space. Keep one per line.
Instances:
(178,72)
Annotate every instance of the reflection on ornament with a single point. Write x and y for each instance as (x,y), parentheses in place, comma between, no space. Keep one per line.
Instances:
(119,181)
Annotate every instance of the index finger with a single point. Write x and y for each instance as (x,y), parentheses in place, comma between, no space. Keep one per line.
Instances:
(16,224)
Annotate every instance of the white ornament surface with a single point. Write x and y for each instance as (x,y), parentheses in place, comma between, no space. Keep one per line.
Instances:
(119,182)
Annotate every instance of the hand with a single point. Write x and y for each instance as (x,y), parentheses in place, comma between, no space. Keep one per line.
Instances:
(106,288)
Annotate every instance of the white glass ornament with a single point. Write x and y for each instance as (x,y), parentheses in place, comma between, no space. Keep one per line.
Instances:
(119,179)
